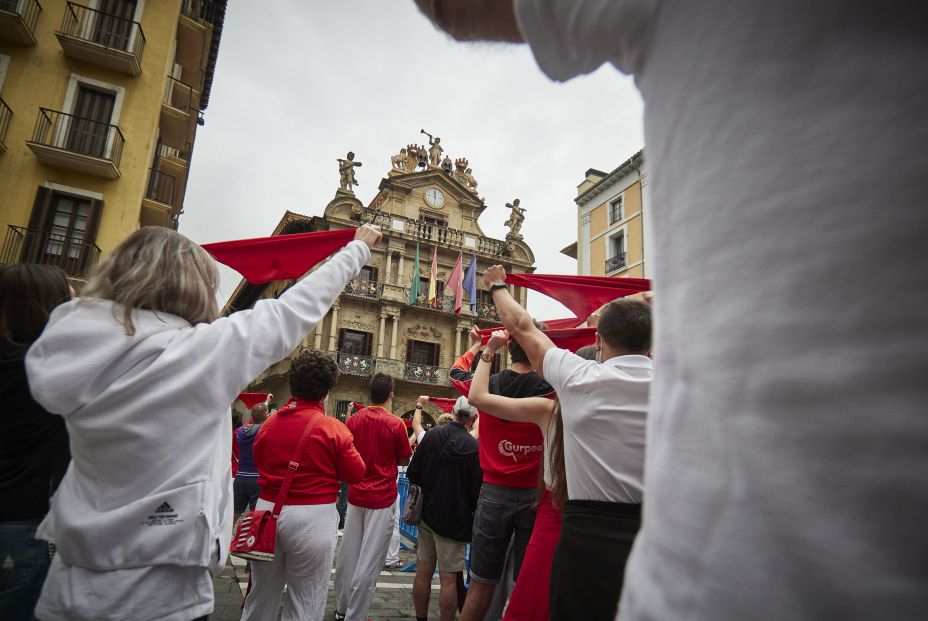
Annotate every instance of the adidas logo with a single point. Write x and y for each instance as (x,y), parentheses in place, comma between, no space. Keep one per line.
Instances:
(164,508)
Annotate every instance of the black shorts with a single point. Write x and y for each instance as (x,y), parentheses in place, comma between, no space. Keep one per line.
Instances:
(245,493)
(501,513)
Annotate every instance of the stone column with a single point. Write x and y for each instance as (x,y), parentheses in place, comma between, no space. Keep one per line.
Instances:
(402,271)
(396,329)
(381,334)
(386,277)
(333,329)
(317,339)
(457,343)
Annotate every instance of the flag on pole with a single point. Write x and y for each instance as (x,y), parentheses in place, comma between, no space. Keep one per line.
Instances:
(433,276)
(470,283)
(414,284)
(456,281)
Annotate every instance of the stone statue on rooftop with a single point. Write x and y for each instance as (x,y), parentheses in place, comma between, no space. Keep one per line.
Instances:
(435,149)
(346,173)
(516,217)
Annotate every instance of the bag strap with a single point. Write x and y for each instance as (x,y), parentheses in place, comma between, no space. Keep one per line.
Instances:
(294,465)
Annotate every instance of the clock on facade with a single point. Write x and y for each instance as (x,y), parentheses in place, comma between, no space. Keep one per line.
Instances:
(435,197)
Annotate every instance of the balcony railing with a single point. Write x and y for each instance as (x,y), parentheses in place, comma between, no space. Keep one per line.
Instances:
(429,231)
(181,96)
(18,19)
(615,263)
(96,147)
(364,288)
(202,10)
(443,303)
(74,255)
(5,115)
(161,187)
(487,311)
(424,373)
(353,364)
(102,38)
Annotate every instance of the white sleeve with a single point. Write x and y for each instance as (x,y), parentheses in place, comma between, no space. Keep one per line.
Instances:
(247,342)
(560,366)
(575,37)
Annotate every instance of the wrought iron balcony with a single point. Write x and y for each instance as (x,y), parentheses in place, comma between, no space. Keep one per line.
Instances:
(18,19)
(353,364)
(5,115)
(615,263)
(102,38)
(487,312)
(201,10)
(179,108)
(74,255)
(77,143)
(364,288)
(161,188)
(429,231)
(441,303)
(424,374)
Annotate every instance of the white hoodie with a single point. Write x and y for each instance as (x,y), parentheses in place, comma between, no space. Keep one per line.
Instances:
(148,416)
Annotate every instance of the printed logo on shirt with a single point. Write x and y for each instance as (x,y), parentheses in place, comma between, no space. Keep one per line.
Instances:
(164,515)
(508,449)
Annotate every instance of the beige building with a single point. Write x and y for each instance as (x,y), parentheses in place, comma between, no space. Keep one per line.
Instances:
(99,106)
(612,222)
(374,326)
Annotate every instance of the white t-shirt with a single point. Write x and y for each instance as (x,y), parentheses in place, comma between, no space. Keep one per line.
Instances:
(603,407)
(788,174)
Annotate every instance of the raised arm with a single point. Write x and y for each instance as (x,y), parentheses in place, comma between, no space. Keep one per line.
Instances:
(526,410)
(474,20)
(417,428)
(517,320)
(247,342)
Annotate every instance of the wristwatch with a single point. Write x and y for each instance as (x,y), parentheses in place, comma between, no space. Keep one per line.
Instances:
(487,357)
(497,285)
(418,406)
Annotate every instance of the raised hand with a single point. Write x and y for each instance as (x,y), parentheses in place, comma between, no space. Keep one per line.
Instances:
(369,234)
(494,274)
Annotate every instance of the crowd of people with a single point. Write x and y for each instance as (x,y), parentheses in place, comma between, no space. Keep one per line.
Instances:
(767,464)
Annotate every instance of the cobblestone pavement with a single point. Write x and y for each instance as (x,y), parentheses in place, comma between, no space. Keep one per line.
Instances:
(392,599)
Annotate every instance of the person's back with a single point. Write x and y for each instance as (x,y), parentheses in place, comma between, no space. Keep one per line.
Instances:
(789,395)
(380,438)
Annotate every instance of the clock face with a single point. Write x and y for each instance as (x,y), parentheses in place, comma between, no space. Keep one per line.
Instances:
(434,196)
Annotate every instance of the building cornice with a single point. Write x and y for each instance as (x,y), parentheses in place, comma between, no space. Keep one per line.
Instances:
(635,163)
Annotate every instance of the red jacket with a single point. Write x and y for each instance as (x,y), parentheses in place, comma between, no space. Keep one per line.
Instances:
(329,455)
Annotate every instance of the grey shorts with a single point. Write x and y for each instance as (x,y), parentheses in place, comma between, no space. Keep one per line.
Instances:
(503,513)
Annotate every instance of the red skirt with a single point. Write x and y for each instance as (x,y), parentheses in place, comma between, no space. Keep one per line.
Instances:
(529,599)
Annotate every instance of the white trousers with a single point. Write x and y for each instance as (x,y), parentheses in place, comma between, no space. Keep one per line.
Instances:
(306,536)
(363,552)
(393,552)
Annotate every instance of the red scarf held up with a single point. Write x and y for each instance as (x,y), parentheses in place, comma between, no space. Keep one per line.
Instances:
(570,338)
(251,399)
(446,405)
(581,294)
(279,257)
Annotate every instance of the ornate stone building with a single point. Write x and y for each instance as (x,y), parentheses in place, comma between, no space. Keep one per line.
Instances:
(375,326)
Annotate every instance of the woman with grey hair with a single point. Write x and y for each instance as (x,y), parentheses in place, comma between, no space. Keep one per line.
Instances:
(144,373)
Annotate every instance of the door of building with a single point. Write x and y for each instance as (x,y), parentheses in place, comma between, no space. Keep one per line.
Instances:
(113,25)
(90,123)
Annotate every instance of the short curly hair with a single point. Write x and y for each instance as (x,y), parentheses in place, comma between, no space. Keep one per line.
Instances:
(312,375)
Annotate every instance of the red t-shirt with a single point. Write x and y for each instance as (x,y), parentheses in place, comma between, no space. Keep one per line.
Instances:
(381,440)
(510,453)
(328,456)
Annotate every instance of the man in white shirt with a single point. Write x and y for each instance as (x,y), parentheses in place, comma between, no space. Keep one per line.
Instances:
(603,408)
(788,436)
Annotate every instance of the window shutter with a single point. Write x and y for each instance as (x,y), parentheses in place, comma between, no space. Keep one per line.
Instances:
(341,338)
(436,355)
(40,209)
(409,350)
(368,337)
(96,207)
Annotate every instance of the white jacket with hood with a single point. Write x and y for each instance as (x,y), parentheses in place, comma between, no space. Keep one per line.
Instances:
(149,484)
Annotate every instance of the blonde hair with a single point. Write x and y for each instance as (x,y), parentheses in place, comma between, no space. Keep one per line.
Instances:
(160,270)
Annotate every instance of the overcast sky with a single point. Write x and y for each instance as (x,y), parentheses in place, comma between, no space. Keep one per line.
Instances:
(299,83)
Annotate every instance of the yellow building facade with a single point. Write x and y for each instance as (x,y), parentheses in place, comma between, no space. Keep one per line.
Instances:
(376,325)
(99,106)
(612,221)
